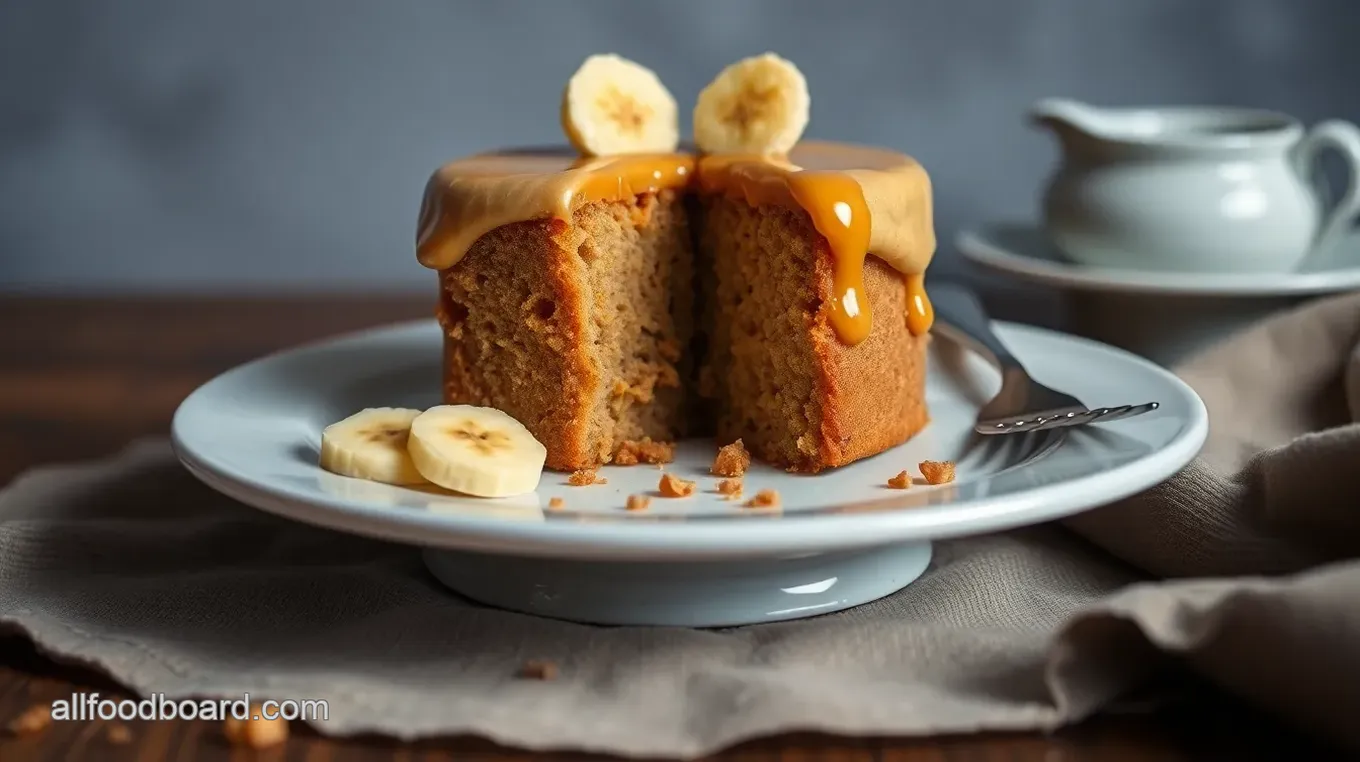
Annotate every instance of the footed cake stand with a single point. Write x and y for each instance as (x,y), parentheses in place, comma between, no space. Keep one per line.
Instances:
(708,594)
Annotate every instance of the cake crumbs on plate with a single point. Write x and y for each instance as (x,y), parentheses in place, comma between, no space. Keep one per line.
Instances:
(556,504)
(901,481)
(255,733)
(538,669)
(632,452)
(638,502)
(731,488)
(118,734)
(585,477)
(673,486)
(937,471)
(732,460)
(766,498)
(32,720)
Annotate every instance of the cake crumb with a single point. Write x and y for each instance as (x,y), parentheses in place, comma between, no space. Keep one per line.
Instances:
(673,486)
(585,477)
(901,481)
(766,498)
(732,460)
(538,669)
(34,719)
(119,734)
(731,488)
(556,504)
(937,471)
(633,452)
(638,502)
(255,733)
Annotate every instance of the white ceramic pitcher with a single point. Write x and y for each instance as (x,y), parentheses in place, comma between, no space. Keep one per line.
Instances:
(1193,188)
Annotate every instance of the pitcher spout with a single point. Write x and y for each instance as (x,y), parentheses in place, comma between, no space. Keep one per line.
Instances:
(1067,115)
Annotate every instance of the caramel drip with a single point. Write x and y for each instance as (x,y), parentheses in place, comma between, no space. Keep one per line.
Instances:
(467,199)
(861,200)
(836,205)
(920,313)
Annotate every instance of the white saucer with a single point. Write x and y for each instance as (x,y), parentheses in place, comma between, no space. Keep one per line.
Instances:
(1023,250)
(841,538)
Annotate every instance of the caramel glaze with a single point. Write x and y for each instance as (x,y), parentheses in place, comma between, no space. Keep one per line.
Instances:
(862,200)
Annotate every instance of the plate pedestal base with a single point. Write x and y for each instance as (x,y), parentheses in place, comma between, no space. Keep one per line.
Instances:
(699,594)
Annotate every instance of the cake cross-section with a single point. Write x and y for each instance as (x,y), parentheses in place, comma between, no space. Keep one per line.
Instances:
(607,301)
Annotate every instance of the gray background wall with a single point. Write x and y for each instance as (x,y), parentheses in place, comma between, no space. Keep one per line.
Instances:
(277,144)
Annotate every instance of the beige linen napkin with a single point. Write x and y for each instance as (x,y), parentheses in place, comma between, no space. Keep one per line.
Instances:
(131,566)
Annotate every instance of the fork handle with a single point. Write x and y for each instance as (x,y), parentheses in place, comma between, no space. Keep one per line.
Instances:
(958,307)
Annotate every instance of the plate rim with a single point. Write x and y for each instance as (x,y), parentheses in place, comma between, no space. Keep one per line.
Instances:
(977,244)
(790,534)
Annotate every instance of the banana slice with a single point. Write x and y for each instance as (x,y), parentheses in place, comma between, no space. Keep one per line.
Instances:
(477,451)
(612,106)
(371,444)
(758,105)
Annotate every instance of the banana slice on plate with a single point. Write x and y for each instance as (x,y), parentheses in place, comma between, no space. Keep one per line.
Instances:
(614,106)
(477,451)
(758,105)
(371,444)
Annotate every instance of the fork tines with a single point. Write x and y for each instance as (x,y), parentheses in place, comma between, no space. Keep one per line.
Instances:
(1042,421)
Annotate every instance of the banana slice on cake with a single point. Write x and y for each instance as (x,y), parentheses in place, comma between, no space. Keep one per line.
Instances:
(758,105)
(476,450)
(371,444)
(614,106)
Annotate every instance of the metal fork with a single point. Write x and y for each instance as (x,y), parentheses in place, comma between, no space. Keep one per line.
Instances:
(1023,404)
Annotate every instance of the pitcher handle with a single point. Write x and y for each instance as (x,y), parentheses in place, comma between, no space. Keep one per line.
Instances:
(1344,138)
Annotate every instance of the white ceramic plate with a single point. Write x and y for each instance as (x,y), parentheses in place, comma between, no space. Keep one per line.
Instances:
(1024,250)
(254,433)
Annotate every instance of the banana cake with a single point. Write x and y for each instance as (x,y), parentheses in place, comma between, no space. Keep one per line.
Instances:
(758,288)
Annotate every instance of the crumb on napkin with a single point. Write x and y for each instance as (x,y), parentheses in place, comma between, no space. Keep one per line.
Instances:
(538,669)
(34,719)
(255,733)
(118,734)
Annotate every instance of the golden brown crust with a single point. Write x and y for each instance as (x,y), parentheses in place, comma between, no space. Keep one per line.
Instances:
(872,395)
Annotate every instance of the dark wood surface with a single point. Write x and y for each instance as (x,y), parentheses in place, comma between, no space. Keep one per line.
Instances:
(81,377)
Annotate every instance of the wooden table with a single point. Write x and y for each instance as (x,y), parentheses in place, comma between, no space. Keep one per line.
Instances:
(80,377)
